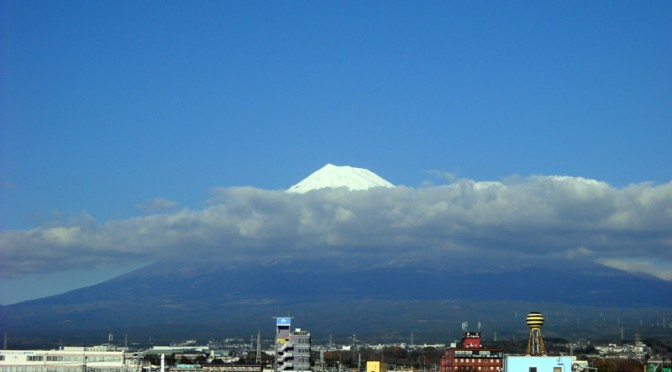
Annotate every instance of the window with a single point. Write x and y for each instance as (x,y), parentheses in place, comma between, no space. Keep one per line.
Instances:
(533,369)
(35,358)
(557,369)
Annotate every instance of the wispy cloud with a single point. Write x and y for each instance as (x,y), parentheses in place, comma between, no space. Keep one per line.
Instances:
(538,220)
(644,265)
(156,205)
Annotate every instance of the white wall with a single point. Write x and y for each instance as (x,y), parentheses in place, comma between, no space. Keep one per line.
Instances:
(542,363)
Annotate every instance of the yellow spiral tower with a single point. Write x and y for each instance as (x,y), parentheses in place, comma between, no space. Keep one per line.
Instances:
(535,346)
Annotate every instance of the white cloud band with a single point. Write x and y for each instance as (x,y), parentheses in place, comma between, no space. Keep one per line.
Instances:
(535,220)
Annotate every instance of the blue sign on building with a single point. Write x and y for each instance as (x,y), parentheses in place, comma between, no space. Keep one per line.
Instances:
(283,321)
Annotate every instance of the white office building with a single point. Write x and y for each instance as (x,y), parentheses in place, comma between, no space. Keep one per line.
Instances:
(67,360)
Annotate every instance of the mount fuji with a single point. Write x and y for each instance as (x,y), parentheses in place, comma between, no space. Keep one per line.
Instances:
(189,298)
(334,176)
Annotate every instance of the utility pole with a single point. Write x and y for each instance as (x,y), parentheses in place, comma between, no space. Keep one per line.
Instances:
(258,347)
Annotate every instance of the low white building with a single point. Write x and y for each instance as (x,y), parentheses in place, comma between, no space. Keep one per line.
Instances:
(70,360)
(527,363)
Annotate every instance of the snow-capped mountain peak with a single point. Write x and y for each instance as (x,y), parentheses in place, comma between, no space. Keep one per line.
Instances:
(334,176)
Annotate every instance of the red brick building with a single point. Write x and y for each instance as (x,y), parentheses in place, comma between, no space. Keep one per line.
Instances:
(471,356)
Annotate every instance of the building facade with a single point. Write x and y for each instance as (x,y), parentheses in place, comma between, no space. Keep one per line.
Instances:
(376,366)
(70,360)
(530,363)
(471,356)
(292,348)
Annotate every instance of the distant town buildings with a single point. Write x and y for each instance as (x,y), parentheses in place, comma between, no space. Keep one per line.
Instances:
(634,351)
(291,350)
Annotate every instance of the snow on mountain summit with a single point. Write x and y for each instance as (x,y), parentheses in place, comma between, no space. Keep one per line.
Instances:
(333,176)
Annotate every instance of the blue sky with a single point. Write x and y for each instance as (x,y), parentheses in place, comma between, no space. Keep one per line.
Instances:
(114,111)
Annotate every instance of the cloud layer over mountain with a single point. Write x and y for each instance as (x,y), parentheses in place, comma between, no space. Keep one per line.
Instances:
(533,221)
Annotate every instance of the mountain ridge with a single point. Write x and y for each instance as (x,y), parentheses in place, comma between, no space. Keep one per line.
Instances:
(162,295)
(353,296)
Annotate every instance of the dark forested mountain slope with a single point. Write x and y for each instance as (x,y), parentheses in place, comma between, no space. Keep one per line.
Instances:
(165,297)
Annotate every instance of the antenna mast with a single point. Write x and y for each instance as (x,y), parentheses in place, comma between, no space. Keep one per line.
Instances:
(258,347)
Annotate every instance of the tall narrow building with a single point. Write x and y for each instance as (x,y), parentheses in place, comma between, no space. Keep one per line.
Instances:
(292,348)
